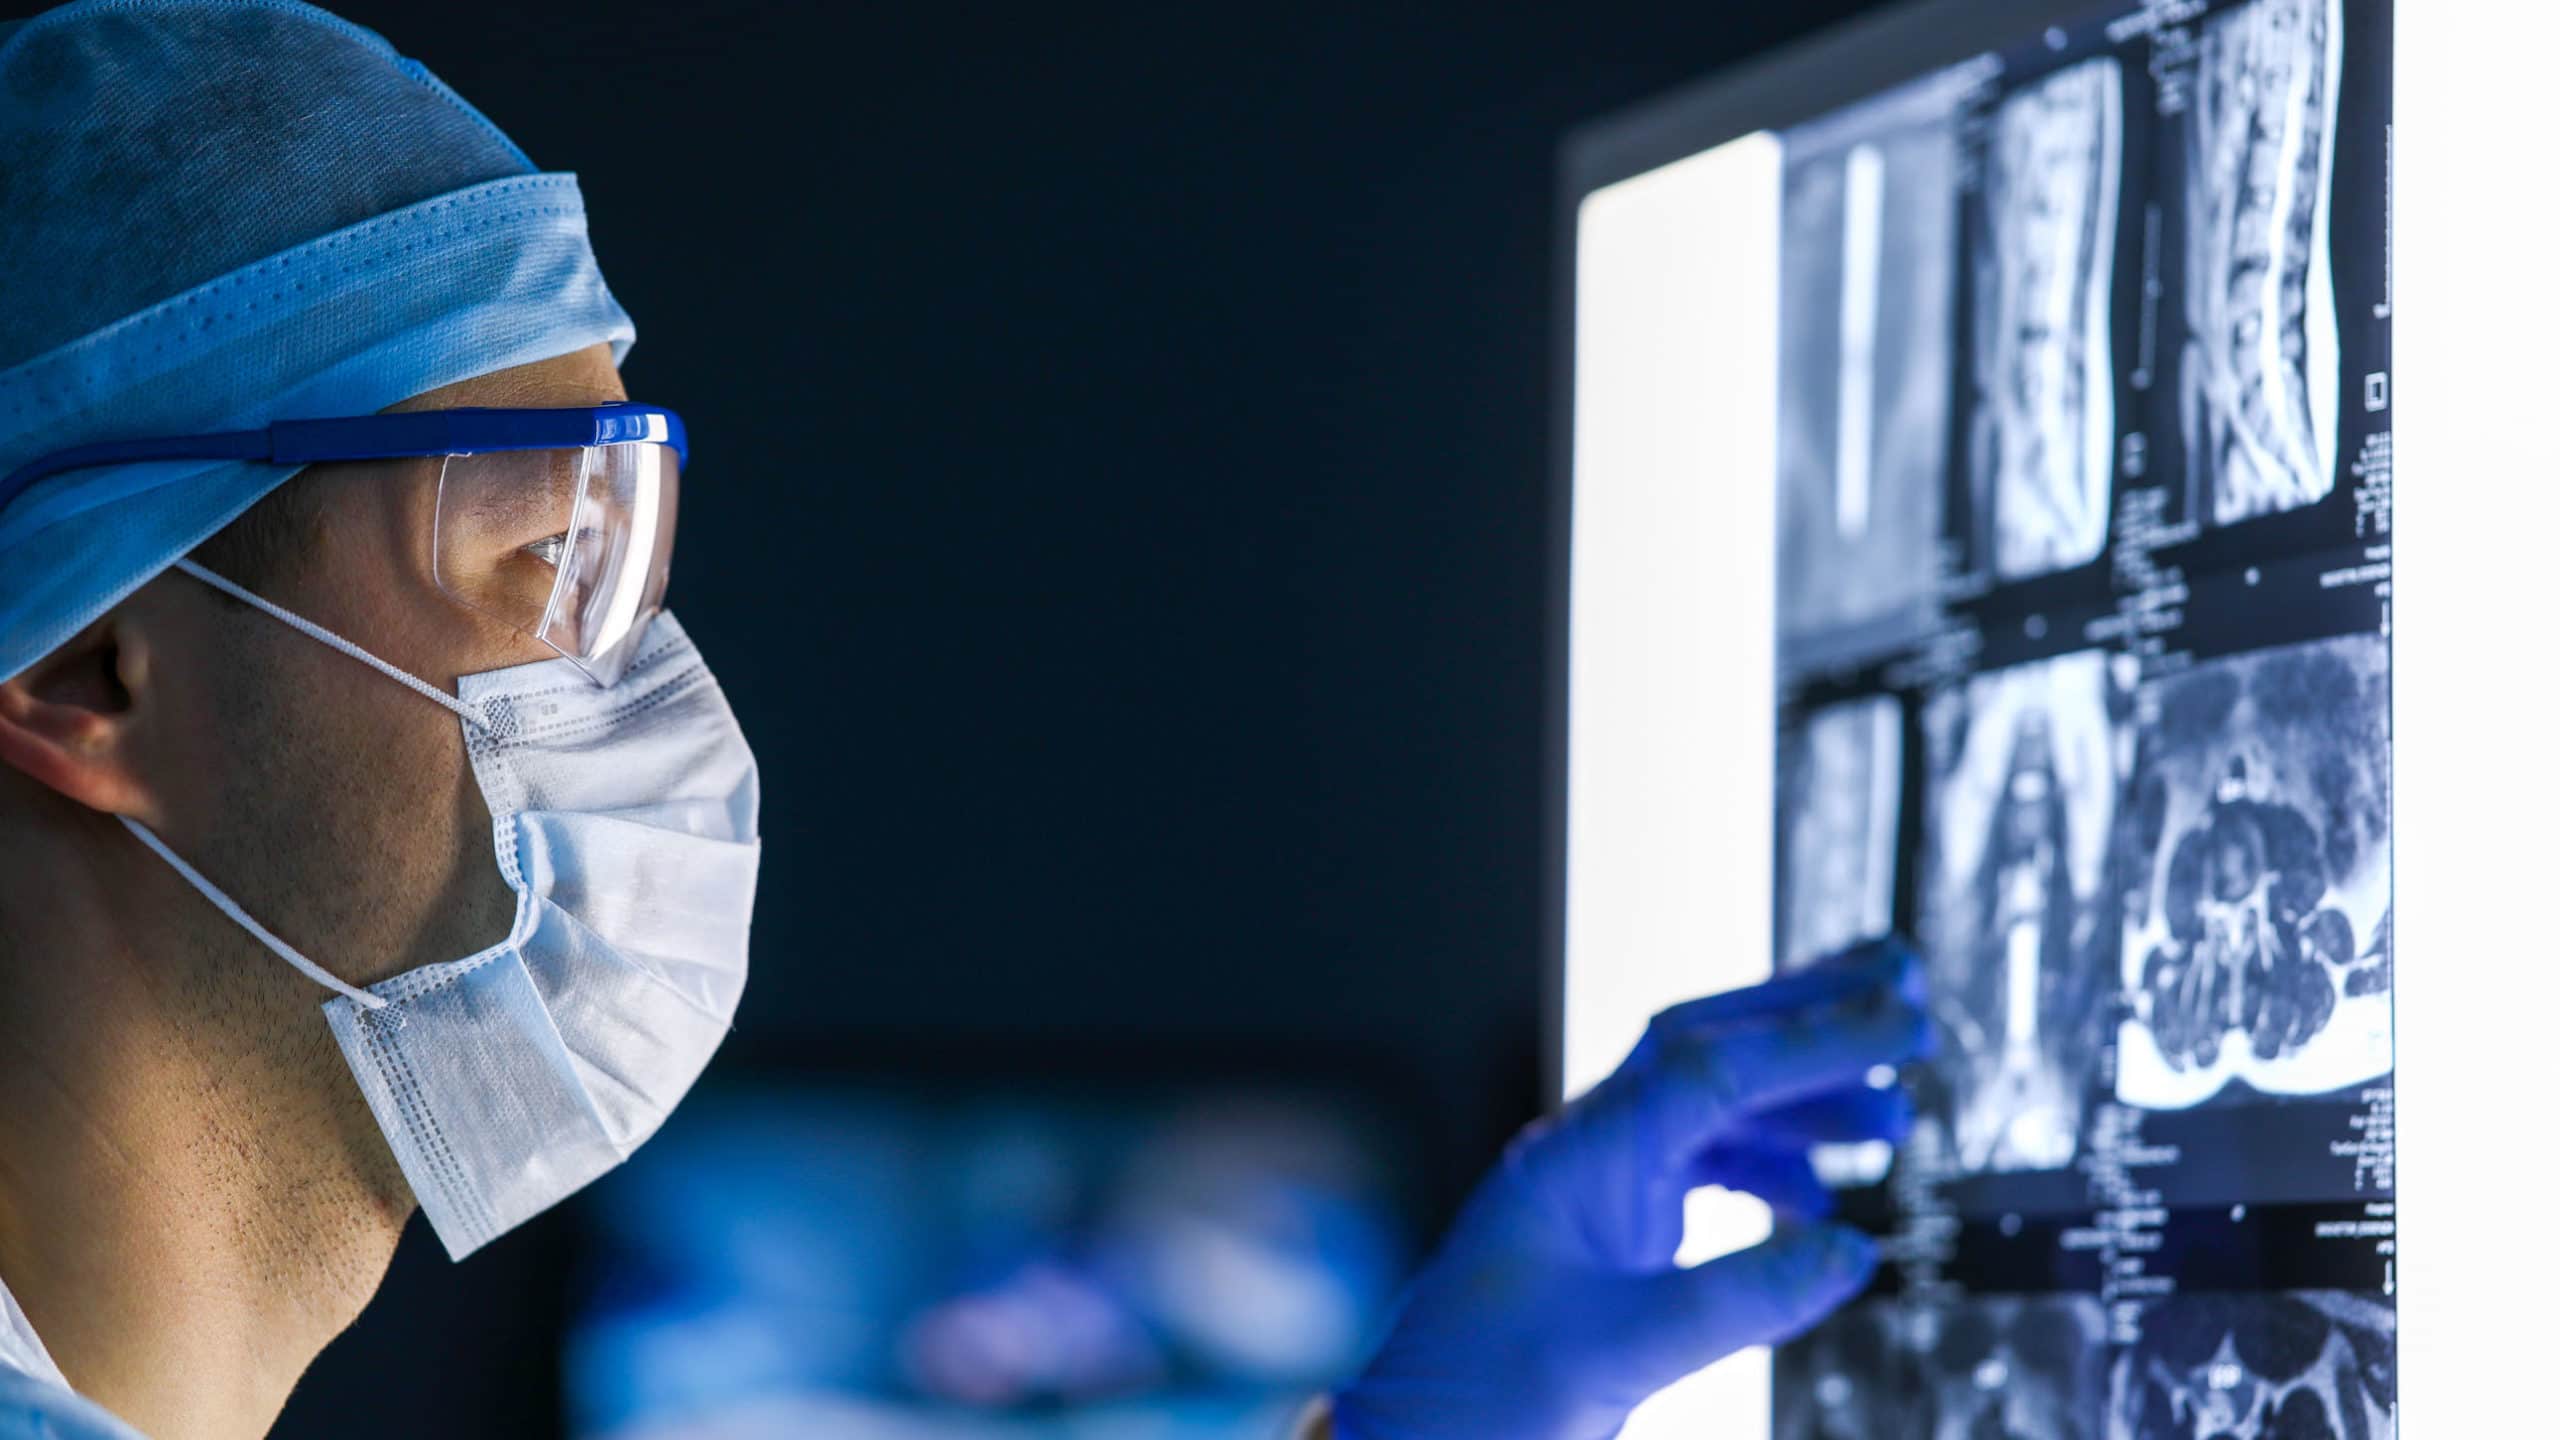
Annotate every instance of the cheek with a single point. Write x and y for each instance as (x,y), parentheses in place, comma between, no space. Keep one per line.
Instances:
(370,824)
(436,868)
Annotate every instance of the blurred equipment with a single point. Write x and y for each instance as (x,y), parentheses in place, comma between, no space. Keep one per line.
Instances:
(864,1263)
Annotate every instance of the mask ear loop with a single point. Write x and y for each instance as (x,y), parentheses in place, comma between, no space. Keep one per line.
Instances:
(470,715)
(243,919)
(224,903)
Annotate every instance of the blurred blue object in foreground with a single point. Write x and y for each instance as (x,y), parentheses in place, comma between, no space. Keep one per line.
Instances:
(815,1263)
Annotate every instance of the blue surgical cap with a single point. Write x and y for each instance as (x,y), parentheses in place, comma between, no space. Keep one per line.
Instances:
(219,213)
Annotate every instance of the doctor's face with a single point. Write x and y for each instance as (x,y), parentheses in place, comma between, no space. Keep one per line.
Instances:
(336,807)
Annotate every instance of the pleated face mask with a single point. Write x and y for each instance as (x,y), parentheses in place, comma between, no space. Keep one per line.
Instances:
(624,818)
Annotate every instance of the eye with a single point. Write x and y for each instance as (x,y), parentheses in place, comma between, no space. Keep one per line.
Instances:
(549,548)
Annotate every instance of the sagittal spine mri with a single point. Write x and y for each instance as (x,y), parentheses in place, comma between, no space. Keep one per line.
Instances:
(2084,597)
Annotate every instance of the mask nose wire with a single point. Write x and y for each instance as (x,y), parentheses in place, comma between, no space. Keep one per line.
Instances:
(470,714)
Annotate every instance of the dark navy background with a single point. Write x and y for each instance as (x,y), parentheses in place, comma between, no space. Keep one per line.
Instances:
(1117,513)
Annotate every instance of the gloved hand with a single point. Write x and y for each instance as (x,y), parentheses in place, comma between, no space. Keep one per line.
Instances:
(1554,1307)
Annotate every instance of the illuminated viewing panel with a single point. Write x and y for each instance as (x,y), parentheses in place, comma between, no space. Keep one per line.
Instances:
(1982,529)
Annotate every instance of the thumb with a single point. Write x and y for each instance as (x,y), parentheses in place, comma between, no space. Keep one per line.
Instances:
(1681,1321)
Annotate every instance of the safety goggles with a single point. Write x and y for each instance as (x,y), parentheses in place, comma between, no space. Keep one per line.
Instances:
(558,523)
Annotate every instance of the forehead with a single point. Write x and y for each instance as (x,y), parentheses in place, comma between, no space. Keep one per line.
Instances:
(581,377)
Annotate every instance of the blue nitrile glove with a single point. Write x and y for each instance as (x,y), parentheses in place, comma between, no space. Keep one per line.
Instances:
(1554,1307)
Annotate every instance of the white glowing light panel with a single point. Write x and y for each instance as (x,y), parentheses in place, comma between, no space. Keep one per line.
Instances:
(2478,769)
(1668,855)
(1985,428)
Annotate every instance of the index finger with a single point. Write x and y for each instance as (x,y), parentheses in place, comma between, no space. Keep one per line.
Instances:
(1703,1087)
(1848,975)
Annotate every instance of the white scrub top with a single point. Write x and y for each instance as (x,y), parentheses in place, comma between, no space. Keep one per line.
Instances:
(36,1403)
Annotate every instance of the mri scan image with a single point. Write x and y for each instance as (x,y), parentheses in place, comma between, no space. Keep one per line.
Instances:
(1839,817)
(1864,360)
(2024,765)
(2021,1368)
(2258,917)
(1852,1377)
(2042,254)
(2044,331)
(2005,1366)
(2303,1365)
(2258,394)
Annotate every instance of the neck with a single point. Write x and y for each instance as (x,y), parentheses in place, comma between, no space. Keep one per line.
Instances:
(189,1210)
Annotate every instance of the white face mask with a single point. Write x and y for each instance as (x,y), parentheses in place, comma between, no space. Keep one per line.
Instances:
(625,822)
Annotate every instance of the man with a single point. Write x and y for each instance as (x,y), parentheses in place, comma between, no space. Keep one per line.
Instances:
(372,840)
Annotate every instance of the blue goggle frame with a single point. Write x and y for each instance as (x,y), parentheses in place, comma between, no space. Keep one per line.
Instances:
(408,435)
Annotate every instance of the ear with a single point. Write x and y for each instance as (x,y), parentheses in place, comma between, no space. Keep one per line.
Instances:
(67,722)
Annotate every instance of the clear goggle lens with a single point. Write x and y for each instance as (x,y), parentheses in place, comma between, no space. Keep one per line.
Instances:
(567,546)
